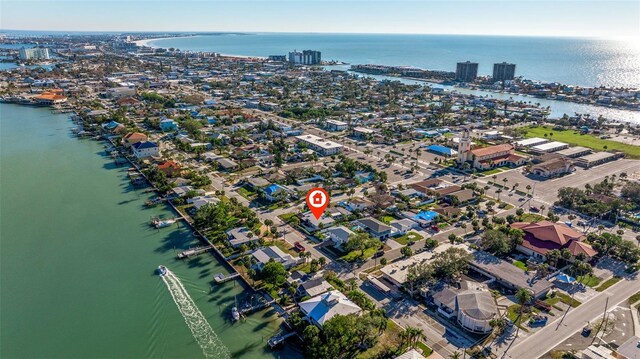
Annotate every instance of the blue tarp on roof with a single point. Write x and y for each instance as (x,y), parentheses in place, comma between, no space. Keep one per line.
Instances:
(426,215)
(441,149)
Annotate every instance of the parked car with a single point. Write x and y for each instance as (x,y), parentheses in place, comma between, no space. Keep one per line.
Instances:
(435,228)
(534,209)
(299,247)
(378,254)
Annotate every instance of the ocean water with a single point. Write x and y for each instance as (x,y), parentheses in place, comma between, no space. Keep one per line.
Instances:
(78,260)
(578,61)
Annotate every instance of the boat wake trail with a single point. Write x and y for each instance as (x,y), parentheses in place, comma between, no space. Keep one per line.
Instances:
(206,338)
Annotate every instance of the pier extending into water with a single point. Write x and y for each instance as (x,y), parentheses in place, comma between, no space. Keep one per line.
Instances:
(221,278)
(193,252)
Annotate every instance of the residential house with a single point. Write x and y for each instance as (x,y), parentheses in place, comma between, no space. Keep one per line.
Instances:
(322,308)
(309,221)
(241,235)
(226,164)
(145,149)
(257,183)
(133,137)
(400,227)
(275,192)
(264,255)
(201,201)
(460,197)
(339,235)
(357,204)
(374,227)
(168,125)
(314,287)
(170,168)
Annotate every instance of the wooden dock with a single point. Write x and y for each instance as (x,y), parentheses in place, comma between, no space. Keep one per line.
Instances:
(193,252)
(259,306)
(279,338)
(221,278)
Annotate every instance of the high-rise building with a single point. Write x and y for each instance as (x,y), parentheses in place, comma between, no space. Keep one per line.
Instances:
(34,53)
(466,71)
(504,71)
(306,57)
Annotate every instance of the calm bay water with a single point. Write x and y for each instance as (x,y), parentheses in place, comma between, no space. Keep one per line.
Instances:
(77,258)
(586,62)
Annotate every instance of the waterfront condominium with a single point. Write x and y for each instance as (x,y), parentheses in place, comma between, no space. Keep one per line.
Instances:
(504,71)
(306,57)
(35,53)
(466,71)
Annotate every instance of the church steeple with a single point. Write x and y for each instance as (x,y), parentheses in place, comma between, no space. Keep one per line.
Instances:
(464,147)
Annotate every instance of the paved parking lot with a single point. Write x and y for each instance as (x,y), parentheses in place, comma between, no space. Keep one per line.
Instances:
(546,191)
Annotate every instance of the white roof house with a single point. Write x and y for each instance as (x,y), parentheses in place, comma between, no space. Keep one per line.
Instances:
(326,306)
(262,257)
(339,235)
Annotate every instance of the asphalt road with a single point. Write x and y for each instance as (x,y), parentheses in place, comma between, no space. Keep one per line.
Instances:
(549,337)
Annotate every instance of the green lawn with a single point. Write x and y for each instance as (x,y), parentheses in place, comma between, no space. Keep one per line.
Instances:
(426,351)
(590,280)
(578,139)
(634,298)
(492,172)
(355,255)
(521,265)
(566,299)
(608,284)
(388,341)
(246,193)
(387,219)
(286,216)
(513,315)
(531,217)
(411,236)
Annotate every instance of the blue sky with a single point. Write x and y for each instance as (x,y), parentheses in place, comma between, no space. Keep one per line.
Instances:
(501,17)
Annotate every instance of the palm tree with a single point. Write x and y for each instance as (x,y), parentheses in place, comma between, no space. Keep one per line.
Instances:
(454,355)
(528,189)
(523,297)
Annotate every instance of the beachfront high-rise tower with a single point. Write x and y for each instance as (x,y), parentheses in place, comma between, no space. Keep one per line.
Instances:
(466,71)
(34,53)
(504,71)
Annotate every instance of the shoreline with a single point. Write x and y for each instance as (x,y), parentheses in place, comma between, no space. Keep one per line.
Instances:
(146,42)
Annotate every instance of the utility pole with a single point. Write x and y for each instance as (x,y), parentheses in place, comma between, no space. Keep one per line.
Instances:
(604,316)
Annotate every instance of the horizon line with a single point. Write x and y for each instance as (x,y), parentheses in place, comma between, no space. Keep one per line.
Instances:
(245,32)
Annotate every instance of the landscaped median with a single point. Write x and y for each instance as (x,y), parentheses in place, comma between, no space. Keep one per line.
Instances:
(608,283)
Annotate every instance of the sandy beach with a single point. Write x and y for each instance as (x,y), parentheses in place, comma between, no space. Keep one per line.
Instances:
(146,42)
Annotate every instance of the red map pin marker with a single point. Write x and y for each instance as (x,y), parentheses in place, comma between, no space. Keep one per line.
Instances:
(317,200)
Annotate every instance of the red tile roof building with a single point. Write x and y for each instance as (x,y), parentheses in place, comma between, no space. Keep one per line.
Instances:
(495,156)
(169,168)
(134,137)
(541,237)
